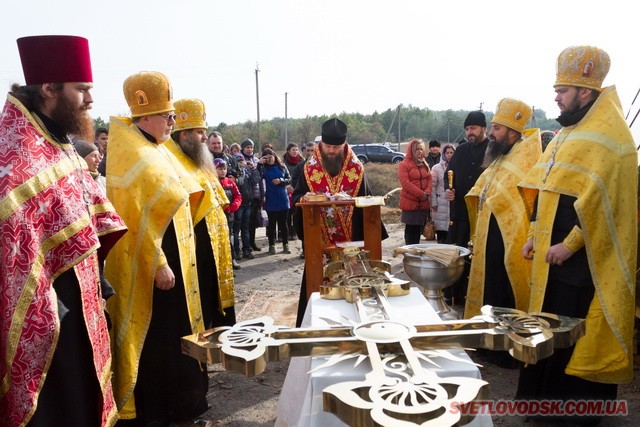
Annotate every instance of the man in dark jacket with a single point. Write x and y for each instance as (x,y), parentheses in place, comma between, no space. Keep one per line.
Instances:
(433,158)
(466,167)
(216,145)
(258,190)
(246,180)
(102,140)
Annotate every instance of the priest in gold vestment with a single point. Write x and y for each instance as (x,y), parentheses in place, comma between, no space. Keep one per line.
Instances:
(583,235)
(213,251)
(153,269)
(499,220)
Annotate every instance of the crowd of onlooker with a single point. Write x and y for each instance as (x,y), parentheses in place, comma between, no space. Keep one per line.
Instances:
(258,184)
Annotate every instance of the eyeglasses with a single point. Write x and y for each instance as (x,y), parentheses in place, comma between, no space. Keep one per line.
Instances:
(168,117)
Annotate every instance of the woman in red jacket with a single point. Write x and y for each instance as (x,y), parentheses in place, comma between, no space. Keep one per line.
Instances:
(415,179)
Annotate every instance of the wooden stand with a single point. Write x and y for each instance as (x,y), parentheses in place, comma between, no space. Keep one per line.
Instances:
(313,238)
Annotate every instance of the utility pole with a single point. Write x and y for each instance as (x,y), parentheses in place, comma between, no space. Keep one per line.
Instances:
(448,129)
(286,122)
(533,115)
(395,116)
(398,114)
(258,102)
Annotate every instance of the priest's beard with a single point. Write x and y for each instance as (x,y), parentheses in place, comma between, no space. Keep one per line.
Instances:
(73,119)
(572,106)
(495,150)
(333,165)
(196,150)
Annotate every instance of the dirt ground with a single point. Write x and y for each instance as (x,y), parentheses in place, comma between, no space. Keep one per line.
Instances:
(269,285)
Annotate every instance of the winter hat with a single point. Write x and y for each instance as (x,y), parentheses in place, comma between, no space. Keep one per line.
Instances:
(84,148)
(546,136)
(475,118)
(434,143)
(246,143)
(219,162)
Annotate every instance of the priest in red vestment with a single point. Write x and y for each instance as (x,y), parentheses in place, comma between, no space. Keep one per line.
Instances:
(56,226)
(333,168)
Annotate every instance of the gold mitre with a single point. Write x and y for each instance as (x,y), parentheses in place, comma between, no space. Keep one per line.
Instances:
(583,66)
(512,113)
(148,93)
(190,114)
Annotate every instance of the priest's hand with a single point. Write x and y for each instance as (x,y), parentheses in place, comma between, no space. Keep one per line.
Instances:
(527,249)
(449,194)
(165,279)
(557,254)
(305,198)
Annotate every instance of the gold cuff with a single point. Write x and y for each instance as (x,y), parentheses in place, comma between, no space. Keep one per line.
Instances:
(162,261)
(532,230)
(574,240)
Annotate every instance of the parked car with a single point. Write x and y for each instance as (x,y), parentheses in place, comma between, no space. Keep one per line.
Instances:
(392,145)
(376,153)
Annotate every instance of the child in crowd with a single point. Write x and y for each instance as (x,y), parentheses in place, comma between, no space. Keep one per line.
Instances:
(234,196)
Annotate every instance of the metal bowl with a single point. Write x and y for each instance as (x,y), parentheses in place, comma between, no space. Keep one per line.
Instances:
(429,273)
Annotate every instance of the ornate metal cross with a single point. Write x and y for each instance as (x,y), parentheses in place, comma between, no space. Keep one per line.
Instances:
(397,388)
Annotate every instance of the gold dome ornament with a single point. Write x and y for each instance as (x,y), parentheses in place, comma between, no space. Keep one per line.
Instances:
(512,113)
(148,93)
(190,114)
(582,66)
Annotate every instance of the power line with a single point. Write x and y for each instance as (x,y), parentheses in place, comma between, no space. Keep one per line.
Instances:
(632,102)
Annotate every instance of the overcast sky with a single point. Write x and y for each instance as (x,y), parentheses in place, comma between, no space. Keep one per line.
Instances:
(333,56)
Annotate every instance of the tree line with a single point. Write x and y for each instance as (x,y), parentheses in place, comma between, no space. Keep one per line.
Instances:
(393,125)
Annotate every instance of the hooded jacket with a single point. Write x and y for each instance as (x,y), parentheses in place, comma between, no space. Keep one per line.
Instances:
(415,179)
